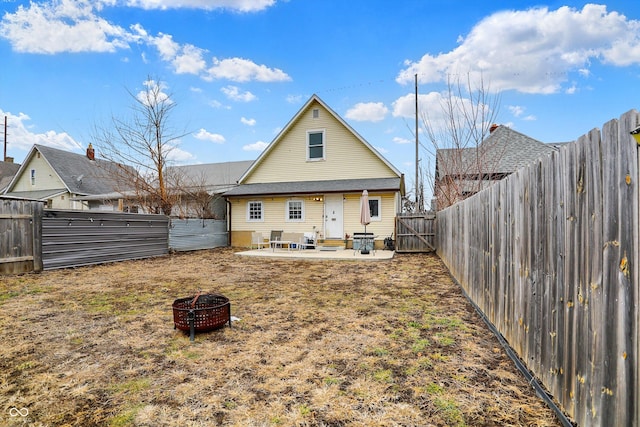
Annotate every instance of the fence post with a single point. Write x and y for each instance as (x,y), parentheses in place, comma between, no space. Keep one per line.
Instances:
(37,211)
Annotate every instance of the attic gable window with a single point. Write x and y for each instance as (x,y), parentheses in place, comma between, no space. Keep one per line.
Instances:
(315,113)
(315,145)
(33,177)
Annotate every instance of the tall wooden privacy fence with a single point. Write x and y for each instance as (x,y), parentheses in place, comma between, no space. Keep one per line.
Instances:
(550,255)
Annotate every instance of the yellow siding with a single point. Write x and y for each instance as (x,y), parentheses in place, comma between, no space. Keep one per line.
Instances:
(382,228)
(346,157)
(274,216)
(46,178)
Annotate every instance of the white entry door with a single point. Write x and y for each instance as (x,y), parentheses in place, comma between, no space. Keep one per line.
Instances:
(333,221)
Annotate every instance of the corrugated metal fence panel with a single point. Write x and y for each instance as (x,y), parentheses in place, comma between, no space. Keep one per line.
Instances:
(75,238)
(193,234)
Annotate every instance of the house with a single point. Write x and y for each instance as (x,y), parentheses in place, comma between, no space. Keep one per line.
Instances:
(202,186)
(310,179)
(65,180)
(8,170)
(462,172)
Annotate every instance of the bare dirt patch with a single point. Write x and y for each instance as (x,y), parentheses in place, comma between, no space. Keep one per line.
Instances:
(319,343)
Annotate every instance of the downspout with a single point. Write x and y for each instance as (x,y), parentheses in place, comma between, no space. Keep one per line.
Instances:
(228,222)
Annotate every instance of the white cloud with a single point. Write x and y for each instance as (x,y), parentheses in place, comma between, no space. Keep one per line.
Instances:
(62,26)
(294,99)
(516,110)
(244,70)
(428,103)
(154,94)
(21,138)
(399,140)
(178,155)
(234,5)
(430,108)
(533,51)
(75,26)
(233,93)
(203,135)
(367,112)
(257,146)
(248,122)
(185,59)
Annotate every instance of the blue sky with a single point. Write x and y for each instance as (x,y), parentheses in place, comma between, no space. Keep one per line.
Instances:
(239,70)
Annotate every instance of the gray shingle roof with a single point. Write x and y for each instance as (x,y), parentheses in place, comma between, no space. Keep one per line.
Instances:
(316,187)
(79,174)
(503,152)
(214,177)
(7,172)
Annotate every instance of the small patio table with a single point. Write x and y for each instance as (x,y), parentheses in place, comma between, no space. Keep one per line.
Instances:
(274,243)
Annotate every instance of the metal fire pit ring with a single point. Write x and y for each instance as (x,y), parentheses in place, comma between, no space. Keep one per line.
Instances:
(201,313)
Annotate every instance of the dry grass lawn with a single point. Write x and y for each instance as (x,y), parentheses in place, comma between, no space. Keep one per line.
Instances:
(318,343)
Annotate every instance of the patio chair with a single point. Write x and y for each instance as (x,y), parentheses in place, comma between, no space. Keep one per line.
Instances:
(276,235)
(258,240)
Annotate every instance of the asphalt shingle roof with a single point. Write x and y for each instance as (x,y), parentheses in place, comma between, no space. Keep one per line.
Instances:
(503,152)
(81,175)
(214,177)
(312,187)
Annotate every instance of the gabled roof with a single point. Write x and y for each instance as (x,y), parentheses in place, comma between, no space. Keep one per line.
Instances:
(214,177)
(503,152)
(79,174)
(296,118)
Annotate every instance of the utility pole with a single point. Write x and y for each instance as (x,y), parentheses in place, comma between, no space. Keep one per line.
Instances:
(418,207)
(5,139)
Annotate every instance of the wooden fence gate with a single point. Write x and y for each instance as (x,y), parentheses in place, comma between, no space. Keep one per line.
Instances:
(20,236)
(415,232)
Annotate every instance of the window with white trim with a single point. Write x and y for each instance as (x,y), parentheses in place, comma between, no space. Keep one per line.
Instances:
(295,211)
(315,145)
(33,177)
(255,212)
(375,208)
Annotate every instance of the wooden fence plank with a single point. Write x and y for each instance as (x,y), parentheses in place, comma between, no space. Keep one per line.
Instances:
(550,255)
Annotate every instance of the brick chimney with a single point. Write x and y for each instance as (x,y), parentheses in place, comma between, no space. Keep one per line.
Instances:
(91,155)
(493,127)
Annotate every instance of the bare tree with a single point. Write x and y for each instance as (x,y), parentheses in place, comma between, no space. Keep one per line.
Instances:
(464,165)
(141,145)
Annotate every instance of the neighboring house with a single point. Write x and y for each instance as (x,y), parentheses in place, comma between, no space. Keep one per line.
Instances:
(202,187)
(7,172)
(310,180)
(65,180)
(460,173)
